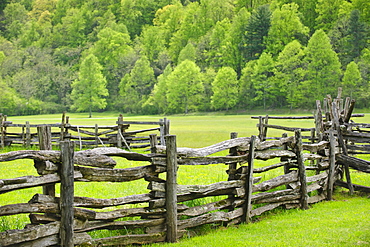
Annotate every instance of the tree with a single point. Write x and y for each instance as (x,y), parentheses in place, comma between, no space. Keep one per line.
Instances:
(138,85)
(247,89)
(225,89)
(289,73)
(322,68)
(89,90)
(188,53)
(357,35)
(286,26)
(328,13)
(352,81)
(263,81)
(185,88)
(15,16)
(255,32)
(157,101)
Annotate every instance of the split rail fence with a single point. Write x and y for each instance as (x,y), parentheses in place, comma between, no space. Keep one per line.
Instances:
(353,138)
(162,213)
(122,134)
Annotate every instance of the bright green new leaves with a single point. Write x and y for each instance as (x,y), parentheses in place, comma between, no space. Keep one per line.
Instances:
(185,88)
(289,73)
(286,26)
(351,81)
(89,91)
(323,68)
(328,13)
(136,87)
(262,80)
(225,89)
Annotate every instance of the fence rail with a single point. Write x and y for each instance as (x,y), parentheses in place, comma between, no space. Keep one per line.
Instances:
(118,135)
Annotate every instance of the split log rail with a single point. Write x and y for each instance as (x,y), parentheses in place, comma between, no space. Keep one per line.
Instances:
(122,134)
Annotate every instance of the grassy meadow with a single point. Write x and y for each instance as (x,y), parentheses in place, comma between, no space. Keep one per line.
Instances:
(319,226)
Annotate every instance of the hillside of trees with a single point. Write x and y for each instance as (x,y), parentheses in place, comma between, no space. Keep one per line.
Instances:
(172,56)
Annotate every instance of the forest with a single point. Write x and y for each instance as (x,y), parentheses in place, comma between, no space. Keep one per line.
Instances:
(181,56)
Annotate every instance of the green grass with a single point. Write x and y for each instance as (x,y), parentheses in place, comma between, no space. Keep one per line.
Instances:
(343,222)
(285,228)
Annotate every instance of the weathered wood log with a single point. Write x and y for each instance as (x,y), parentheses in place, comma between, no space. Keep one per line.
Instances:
(271,154)
(302,117)
(94,202)
(275,182)
(206,208)
(248,184)
(316,198)
(115,225)
(31,181)
(66,193)
(268,207)
(127,212)
(256,198)
(356,187)
(215,217)
(353,162)
(111,151)
(204,160)
(82,157)
(22,208)
(315,147)
(131,239)
(116,175)
(292,129)
(199,189)
(171,188)
(102,203)
(332,166)
(275,143)
(270,167)
(13,237)
(202,152)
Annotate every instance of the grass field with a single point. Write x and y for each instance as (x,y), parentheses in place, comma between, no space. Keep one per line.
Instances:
(342,222)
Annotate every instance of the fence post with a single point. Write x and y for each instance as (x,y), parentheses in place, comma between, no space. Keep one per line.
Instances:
(44,135)
(96,135)
(62,126)
(66,193)
(331,165)
(28,134)
(285,159)
(247,208)
(162,132)
(153,143)
(301,169)
(171,188)
(260,128)
(119,131)
(265,128)
(342,144)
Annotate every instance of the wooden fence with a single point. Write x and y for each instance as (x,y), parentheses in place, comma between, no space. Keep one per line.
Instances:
(122,134)
(162,213)
(353,138)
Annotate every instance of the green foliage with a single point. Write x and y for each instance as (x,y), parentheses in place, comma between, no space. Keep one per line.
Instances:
(286,26)
(225,89)
(256,30)
(323,69)
(89,90)
(185,88)
(46,41)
